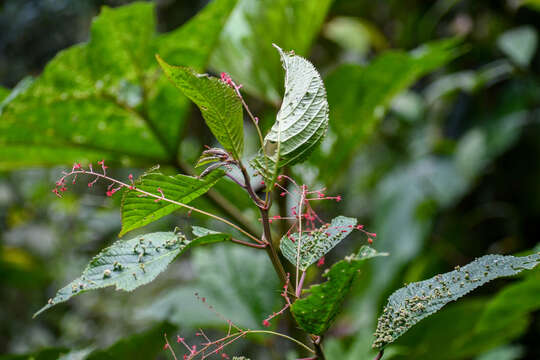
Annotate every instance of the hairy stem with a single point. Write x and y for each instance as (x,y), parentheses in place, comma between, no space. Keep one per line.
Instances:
(220,201)
(245,243)
(267,237)
(161,197)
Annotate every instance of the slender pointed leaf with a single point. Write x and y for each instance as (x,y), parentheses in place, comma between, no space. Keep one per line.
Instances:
(220,106)
(316,312)
(316,244)
(408,305)
(140,210)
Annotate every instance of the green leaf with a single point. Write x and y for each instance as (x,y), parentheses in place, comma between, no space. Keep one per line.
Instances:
(145,345)
(316,244)
(128,264)
(408,305)
(43,354)
(6,96)
(220,106)
(316,312)
(93,96)
(245,49)
(301,121)
(140,210)
(455,330)
(245,297)
(513,301)
(358,96)
(519,44)
(4,92)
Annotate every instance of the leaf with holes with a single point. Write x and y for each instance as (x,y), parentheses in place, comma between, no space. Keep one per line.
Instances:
(138,210)
(316,244)
(316,312)
(128,264)
(301,121)
(410,304)
(220,106)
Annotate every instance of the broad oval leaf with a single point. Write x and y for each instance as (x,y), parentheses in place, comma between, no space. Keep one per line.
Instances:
(316,312)
(301,121)
(410,304)
(128,264)
(220,106)
(138,211)
(93,96)
(316,244)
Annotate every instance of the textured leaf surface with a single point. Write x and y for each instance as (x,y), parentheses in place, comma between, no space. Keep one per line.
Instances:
(315,245)
(316,312)
(92,97)
(221,278)
(138,211)
(128,264)
(220,106)
(301,121)
(408,305)
(245,50)
(358,96)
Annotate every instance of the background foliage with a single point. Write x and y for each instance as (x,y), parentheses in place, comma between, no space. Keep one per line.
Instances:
(433,141)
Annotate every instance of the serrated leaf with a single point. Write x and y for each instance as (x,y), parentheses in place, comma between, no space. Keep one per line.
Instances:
(408,305)
(128,264)
(93,96)
(220,106)
(301,121)
(138,211)
(316,312)
(316,244)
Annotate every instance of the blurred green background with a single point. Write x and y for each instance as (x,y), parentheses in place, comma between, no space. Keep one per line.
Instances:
(433,144)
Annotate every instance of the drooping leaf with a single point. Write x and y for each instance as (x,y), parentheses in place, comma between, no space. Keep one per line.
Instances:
(245,50)
(128,264)
(358,96)
(316,244)
(220,106)
(140,210)
(222,280)
(408,305)
(316,312)
(93,96)
(301,121)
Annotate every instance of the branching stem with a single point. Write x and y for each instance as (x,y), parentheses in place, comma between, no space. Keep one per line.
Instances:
(161,197)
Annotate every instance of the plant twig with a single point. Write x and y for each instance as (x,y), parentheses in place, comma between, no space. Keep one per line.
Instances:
(379,355)
(160,197)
